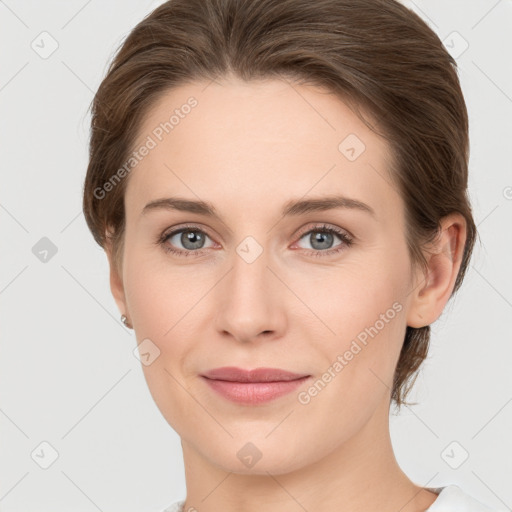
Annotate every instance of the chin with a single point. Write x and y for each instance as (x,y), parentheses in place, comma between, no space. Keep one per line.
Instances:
(259,457)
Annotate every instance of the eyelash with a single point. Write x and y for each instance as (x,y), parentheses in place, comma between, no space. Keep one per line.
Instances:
(346,239)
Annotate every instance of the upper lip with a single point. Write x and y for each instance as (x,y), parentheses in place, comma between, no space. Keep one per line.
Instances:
(234,374)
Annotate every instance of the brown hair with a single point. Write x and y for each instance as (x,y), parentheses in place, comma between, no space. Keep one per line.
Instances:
(376,55)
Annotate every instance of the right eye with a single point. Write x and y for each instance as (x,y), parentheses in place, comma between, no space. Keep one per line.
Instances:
(192,239)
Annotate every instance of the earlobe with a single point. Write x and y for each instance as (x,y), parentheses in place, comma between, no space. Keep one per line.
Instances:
(444,257)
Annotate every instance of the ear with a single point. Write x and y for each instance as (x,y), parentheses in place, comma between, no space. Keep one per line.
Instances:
(444,256)
(116,280)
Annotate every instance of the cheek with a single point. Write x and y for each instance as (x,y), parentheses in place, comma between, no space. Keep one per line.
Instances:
(149,308)
(362,308)
(167,306)
(359,361)
(157,294)
(161,303)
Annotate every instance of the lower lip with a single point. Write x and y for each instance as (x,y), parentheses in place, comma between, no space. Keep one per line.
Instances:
(253,393)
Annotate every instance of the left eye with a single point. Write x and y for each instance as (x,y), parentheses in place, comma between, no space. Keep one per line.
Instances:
(321,239)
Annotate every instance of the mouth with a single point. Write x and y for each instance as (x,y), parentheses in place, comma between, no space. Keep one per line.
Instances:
(255,386)
(234,374)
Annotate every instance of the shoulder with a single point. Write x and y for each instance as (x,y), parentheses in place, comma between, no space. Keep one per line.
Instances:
(175,507)
(453,499)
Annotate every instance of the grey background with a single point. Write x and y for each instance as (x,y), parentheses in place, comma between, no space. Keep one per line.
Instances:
(68,376)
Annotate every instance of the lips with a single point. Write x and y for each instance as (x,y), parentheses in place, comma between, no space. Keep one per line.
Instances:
(234,374)
(253,387)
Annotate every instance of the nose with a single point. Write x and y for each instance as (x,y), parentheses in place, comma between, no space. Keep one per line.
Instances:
(250,300)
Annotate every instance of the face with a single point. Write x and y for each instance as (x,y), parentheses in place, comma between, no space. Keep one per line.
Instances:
(320,291)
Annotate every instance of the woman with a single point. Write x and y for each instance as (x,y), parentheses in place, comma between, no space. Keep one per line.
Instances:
(281,190)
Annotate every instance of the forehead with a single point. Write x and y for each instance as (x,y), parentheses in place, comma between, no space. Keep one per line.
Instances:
(258,141)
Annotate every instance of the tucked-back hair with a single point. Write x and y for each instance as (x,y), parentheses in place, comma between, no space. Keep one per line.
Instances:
(378,56)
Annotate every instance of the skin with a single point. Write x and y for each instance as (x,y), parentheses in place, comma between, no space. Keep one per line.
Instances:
(248,148)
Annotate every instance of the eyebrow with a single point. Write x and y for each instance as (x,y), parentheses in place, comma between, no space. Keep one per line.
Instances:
(291,208)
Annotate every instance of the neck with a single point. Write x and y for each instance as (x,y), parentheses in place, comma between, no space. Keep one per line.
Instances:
(360,475)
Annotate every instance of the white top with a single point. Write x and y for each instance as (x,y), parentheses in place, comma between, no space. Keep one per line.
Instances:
(451,499)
